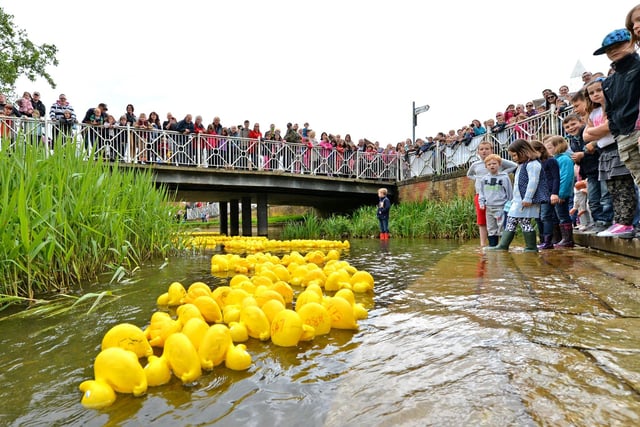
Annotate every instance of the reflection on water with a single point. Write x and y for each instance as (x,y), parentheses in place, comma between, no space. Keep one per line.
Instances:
(454,337)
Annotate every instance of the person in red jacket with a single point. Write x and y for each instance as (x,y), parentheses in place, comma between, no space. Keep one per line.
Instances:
(256,136)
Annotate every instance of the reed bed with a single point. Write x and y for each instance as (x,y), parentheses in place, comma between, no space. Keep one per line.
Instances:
(64,220)
(452,219)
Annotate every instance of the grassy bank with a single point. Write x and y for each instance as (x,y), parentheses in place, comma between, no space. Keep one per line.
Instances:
(65,220)
(454,219)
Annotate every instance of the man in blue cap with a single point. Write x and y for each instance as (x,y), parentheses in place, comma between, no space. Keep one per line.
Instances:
(622,98)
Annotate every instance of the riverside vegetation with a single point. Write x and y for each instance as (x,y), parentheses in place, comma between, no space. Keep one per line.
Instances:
(451,219)
(64,220)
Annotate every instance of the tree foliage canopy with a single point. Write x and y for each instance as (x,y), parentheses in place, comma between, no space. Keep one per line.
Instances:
(19,56)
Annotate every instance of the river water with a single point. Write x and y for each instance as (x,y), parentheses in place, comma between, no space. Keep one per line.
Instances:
(455,337)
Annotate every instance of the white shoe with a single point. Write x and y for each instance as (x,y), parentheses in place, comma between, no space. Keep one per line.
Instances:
(609,232)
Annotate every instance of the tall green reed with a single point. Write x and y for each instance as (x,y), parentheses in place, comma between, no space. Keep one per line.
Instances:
(64,220)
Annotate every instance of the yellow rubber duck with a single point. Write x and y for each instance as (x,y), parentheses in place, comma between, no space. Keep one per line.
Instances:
(188,311)
(298,274)
(129,337)
(242,281)
(264,294)
(237,358)
(120,369)
(182,357)
(265,279)
(214,345)
(239,332)
(337,280)
(272,307)
(346,294)
(231,313)
(195,329)
(237,279)
(219,263)
(209,309)
(235,296)
(219,294)
(284,289)
(287,329)
(316,257)
(281,272)
(157,371)
(341,312)
(160,328)
(316,316)
(307,296)
(176,292)
(362,281)
(195,290)
(317,289)
(314,276)
(359,311)
(256,322)
(97,394)
(333,255)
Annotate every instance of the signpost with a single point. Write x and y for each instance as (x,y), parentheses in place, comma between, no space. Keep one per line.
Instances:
(414,113)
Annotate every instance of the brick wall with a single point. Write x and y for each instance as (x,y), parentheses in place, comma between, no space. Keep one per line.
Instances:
(434,188)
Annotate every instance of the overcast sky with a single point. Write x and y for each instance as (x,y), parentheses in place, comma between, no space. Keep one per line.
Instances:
(344,66)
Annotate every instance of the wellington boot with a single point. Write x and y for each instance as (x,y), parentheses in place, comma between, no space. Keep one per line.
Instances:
(493,240)
(546,242)
(567,236)
(386,236)
(557,234)
(505,241)
(381,236)
(530,241)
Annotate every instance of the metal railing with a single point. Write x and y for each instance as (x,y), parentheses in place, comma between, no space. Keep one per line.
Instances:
(129,144)
(154,146)
(442,159)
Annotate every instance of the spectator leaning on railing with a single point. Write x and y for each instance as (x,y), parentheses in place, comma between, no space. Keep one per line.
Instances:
(38,104)
(56,112)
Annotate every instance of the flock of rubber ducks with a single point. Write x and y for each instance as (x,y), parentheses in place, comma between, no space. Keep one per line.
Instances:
(246,244)
(210,326)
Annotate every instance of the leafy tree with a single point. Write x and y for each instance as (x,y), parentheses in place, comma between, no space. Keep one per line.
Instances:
(19,56)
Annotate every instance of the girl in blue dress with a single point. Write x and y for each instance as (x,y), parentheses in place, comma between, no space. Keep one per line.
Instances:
(529,190)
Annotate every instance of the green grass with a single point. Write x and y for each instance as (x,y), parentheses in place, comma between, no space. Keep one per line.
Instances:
(65,220)
(454,219)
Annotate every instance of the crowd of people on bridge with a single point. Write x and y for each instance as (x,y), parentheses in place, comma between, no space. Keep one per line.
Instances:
(63,113)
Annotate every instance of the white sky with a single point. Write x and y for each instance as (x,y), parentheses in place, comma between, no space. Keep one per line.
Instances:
(344,66)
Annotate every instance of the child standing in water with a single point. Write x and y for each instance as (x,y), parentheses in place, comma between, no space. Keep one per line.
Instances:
(495,192)
(529,191)
(476,172)
(548,220)
(384,205)
(557,147)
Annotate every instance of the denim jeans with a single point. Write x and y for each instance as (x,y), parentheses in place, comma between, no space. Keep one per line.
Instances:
(599,199)
(384,225)
(562,211)
(547,218)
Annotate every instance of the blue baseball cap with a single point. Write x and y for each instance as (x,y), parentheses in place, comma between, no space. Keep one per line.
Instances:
(614,37)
